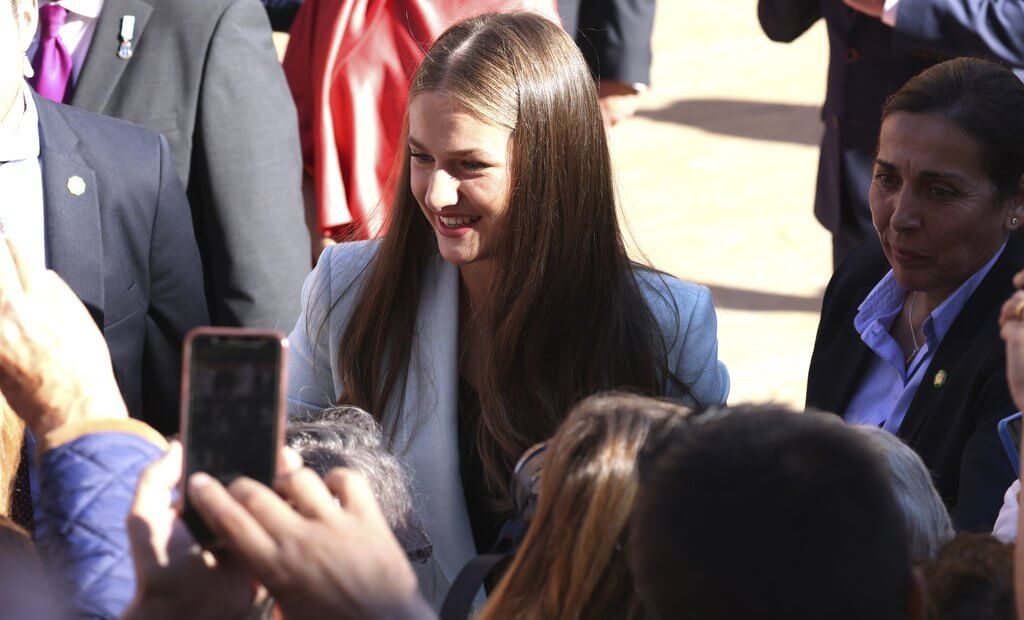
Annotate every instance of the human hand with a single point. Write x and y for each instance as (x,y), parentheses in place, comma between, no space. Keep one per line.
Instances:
(55,368)
(618,101)
(874,8)
(1011,323)
(321,559)
(175,578)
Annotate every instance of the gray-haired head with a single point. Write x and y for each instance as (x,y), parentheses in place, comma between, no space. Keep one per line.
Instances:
(924,514)
(350,437)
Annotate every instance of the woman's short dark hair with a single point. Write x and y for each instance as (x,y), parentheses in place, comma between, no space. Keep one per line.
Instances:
(984,99)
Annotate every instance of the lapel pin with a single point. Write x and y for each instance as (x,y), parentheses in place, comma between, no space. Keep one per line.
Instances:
(124,49)
(76,185)
(940,378)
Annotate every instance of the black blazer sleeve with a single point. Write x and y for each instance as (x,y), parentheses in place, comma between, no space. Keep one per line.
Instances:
(785,20)
(176,299)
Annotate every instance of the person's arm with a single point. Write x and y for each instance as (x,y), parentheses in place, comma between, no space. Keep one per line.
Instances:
(615,38)
(960,27)
(310,380)
(56,375)
(785,20)
(697,358)
(985,470)
(177,302)
(246,177)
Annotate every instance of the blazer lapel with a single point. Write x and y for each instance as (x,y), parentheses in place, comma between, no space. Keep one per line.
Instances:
(980,312)
(103,68)
(430,419)
(850,355)
(74,241)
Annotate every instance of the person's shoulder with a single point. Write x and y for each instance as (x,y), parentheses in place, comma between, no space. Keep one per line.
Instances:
(205,11)
(96,128)
(108,144)
(660,289)
(344,266)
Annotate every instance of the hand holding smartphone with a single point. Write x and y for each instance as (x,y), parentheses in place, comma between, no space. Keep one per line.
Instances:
(232,418)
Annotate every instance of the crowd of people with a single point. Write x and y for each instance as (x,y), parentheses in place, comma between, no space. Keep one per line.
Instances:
(492,410)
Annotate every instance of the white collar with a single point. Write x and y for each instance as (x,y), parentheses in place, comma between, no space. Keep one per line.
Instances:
(19,132)
(82,8)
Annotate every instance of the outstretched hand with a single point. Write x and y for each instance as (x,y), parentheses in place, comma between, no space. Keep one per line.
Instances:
(318,557)
(55,368)
(175,578)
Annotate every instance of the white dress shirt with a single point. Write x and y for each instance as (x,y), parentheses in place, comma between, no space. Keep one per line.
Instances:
(21,180)
(77,31)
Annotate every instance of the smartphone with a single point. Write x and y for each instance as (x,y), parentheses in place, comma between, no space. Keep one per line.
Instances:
(1009,432)
(232,408)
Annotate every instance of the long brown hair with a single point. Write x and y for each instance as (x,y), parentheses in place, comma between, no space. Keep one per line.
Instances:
(571,563)
(566,316)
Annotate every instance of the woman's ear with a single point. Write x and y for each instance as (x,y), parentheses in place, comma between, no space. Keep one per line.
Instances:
(1015,212)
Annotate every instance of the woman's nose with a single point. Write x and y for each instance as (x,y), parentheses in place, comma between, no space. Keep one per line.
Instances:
(442,191)
(905,217)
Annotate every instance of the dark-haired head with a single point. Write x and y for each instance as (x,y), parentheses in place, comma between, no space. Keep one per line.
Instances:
(972,577)
(946,188)
(766,513)
(982,98)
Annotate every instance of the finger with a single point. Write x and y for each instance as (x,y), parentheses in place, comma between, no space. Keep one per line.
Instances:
(1018,280)
(354,492)
(308,493)
(288,461)
(152,496)
(272,513)
(21,266)
(1011,309)
(233,526)
(10,282)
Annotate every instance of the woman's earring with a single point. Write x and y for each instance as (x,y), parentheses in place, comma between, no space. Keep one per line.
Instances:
(27,69)
(1013,221)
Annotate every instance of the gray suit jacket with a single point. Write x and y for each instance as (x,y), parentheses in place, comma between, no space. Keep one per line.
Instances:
(428,434)
(204,73)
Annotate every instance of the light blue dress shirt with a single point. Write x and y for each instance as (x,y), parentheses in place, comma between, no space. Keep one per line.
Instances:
(890,383)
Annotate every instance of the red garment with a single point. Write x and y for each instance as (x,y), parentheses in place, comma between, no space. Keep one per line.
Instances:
(349,64)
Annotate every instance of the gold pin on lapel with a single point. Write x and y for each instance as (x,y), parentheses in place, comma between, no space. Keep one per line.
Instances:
(76,185)
(940,378)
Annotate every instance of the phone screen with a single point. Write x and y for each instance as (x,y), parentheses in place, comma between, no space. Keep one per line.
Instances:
(232,421)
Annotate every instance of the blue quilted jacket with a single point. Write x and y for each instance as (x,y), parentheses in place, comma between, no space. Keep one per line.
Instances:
(85,489)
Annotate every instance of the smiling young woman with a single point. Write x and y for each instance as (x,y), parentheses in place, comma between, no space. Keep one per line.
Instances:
(501,293)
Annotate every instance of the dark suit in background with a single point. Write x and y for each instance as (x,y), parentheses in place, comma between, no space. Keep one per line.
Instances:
(205,74)
(614,36)
(125,246)
(870,60)
(951,424)
(282,13)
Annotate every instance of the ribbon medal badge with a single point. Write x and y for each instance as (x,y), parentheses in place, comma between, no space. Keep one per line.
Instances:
(124,49)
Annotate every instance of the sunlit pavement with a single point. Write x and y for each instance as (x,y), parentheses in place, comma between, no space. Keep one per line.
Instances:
(716,178)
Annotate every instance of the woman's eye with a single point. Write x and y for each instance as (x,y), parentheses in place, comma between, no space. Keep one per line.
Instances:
(474,165)
(942,192)
(885,179)
(421,158)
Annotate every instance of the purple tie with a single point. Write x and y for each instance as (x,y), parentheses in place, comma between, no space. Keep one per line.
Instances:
(52,63)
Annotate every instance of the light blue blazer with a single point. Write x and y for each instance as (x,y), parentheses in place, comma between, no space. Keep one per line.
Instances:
(427,437)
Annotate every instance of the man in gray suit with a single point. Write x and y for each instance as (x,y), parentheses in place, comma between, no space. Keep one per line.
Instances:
(203,73)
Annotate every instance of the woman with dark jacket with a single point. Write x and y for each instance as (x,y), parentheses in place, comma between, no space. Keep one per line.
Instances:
(909,336)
